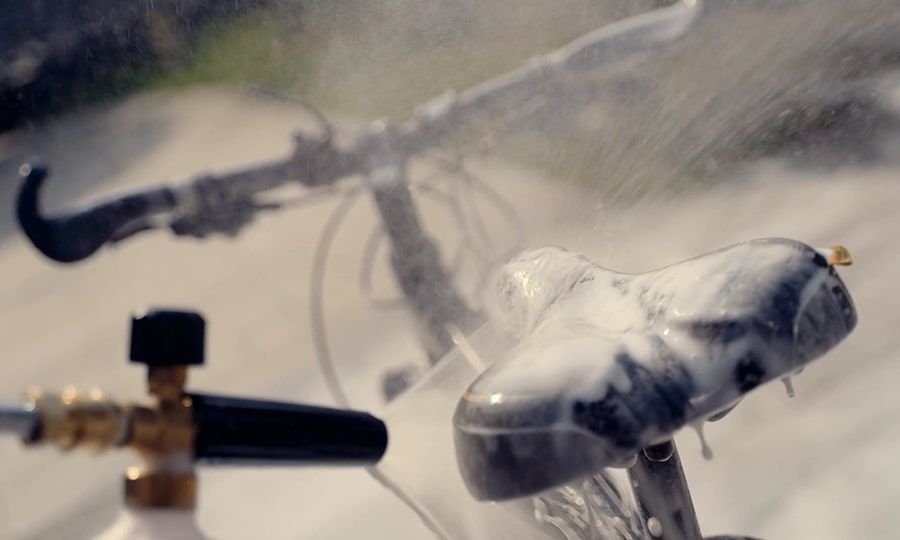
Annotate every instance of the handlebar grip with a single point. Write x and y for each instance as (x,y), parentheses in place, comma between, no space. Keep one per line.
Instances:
(77,235)
(238,431)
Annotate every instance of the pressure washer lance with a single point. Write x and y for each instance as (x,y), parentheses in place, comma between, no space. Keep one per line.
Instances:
(174,430)
(18,419)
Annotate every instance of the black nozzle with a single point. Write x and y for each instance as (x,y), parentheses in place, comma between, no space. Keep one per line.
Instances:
(236,431)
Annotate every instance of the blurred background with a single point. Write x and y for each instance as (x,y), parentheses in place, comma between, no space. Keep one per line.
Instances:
(769,118)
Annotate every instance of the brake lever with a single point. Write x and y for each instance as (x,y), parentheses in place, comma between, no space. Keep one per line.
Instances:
(76,235)
(224,218)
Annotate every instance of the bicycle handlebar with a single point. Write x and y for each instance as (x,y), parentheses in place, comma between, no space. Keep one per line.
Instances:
(205,205)
(225,204)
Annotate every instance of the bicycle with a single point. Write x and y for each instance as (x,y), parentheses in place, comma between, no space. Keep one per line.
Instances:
(226,204)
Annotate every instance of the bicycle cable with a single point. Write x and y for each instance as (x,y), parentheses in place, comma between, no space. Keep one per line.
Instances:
(463,189)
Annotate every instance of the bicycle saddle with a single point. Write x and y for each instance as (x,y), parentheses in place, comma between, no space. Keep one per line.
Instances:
(608,363)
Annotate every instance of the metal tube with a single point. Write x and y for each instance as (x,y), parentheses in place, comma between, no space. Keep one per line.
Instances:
(663,495)
(486,104)
(429,291)
(17,419)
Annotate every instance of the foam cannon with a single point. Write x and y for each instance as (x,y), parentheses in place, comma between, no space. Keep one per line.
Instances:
(173,429)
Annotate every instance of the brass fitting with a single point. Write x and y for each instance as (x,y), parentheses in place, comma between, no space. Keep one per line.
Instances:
(165,424)
(149,489)
(166,382)
(173,430)
(163,433)
(71,419)
(161,430)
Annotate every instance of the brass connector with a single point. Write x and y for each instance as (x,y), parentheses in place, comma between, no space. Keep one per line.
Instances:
(161,427)
(155,489)
(71,419)
(164,427)
(161,430)
(165,424)
(166,382)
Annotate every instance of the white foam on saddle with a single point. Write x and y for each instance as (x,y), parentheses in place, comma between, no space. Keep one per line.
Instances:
(573,318)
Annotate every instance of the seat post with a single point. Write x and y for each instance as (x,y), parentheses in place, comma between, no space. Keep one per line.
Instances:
(661,489)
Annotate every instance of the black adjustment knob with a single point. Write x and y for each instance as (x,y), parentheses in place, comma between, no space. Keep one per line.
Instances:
(167,338)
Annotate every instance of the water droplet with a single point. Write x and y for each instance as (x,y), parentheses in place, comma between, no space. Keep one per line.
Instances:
(704,446)
(788,386)
(654,527)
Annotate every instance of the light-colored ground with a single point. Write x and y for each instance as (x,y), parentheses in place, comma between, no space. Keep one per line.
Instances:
(822,465)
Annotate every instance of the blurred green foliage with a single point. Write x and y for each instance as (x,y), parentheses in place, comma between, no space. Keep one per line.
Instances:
(381,59)
(722,98)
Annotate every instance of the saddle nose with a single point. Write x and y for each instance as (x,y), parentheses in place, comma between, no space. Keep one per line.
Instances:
(824,320)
